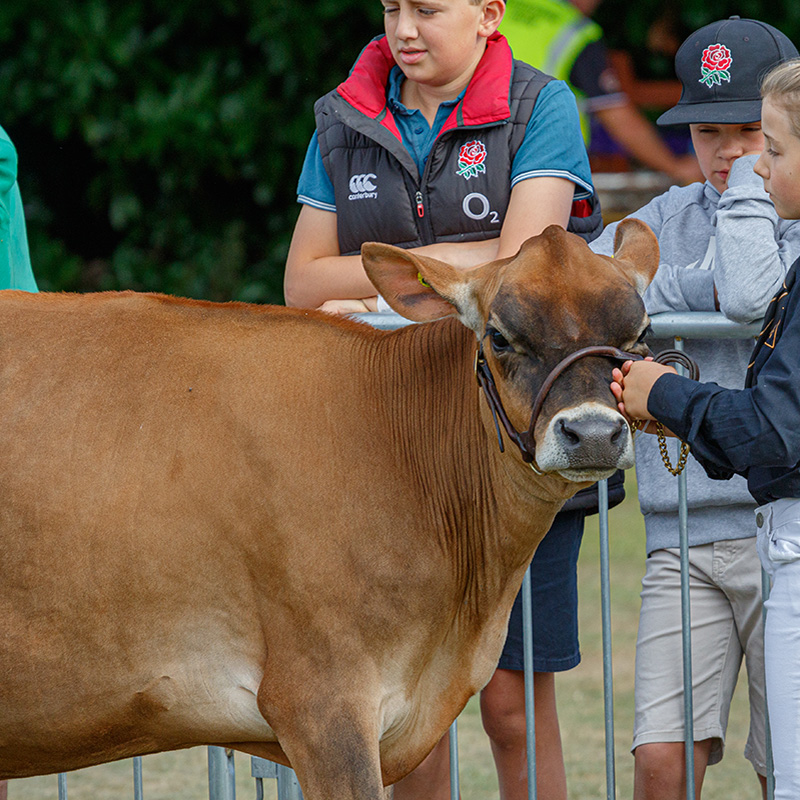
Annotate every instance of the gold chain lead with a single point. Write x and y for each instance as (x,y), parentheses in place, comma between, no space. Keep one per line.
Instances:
(636,425)
(662,446)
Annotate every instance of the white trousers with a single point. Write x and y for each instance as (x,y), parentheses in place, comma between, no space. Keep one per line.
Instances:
(779,549)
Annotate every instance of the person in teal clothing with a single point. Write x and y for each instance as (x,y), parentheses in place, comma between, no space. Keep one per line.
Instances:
(15,260)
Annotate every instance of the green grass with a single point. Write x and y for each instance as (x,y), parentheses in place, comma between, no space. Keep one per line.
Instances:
(183,775)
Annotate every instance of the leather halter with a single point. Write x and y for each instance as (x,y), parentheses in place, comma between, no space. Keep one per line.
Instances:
(525,440)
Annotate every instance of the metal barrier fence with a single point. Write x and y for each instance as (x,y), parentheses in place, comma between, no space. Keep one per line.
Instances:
(679,327)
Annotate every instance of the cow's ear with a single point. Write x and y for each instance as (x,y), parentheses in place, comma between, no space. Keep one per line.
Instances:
(636,252)
(417,287)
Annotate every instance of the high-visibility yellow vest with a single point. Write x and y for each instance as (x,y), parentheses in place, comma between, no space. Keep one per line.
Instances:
(550,35)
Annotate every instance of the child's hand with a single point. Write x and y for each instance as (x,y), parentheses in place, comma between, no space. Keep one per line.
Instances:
(631,385)
(346,306)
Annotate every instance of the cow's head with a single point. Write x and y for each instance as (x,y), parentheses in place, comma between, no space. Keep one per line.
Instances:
(531,311)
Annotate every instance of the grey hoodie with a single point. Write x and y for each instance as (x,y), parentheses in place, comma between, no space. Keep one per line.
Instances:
(738,244)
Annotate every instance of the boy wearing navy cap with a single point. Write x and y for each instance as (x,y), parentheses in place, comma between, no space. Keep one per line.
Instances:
(723,247)
(755,431)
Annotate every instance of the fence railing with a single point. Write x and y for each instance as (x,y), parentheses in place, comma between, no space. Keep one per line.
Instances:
(679,327)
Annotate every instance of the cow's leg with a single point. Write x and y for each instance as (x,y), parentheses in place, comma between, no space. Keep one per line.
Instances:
(337,770)
(333,748)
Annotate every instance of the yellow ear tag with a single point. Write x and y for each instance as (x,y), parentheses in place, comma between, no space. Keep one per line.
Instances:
(423,281)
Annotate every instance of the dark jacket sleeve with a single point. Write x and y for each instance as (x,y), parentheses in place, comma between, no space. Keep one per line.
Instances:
(738,429)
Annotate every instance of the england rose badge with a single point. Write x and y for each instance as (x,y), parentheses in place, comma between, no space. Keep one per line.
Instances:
(471,158)
(716,62)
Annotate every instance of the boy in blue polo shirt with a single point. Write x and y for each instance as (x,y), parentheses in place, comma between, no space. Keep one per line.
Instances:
(440,142)
(528,179)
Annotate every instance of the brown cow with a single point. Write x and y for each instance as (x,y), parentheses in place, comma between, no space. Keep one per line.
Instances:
(284,532)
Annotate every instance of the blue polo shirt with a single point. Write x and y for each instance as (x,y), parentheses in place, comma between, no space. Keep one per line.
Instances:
(553,145)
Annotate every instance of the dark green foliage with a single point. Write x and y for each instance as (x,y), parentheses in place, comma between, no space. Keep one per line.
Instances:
(626,24)
(160,140)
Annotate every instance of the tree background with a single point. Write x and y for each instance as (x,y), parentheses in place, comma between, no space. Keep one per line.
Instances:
(629,26)
(160,141)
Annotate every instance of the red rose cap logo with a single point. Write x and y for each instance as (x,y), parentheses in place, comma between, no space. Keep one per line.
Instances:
(471,158)
(716,60)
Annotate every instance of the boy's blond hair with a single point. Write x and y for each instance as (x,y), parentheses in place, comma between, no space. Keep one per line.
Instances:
(782,85)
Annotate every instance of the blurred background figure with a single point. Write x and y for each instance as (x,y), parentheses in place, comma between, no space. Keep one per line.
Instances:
(15,261)
(559,38)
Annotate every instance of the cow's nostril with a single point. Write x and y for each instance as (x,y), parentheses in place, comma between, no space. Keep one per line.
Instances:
(620,430)
(570,434)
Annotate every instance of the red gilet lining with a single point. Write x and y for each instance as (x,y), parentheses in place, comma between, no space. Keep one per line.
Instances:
(485,99)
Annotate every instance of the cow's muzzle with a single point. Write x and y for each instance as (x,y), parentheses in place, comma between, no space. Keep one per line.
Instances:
(587,442)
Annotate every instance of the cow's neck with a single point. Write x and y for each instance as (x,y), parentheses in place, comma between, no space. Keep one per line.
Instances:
(488,509)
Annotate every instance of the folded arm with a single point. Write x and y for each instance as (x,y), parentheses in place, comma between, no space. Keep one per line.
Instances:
(316,272)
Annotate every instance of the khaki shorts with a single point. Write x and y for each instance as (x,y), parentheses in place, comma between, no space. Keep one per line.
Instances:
(725,591)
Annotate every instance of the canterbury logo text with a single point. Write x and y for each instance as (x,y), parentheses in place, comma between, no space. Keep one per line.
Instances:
(362,187)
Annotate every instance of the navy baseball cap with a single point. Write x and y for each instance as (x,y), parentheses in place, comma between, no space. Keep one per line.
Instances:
(721,67)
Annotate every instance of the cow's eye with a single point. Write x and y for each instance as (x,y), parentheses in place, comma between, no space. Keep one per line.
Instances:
(499,342)
(644,334)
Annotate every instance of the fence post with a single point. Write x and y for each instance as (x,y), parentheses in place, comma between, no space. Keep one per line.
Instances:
(455,780)
(288,785)
(137,778)
(221,774)
(605,602)
(686,621)
(527,663)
